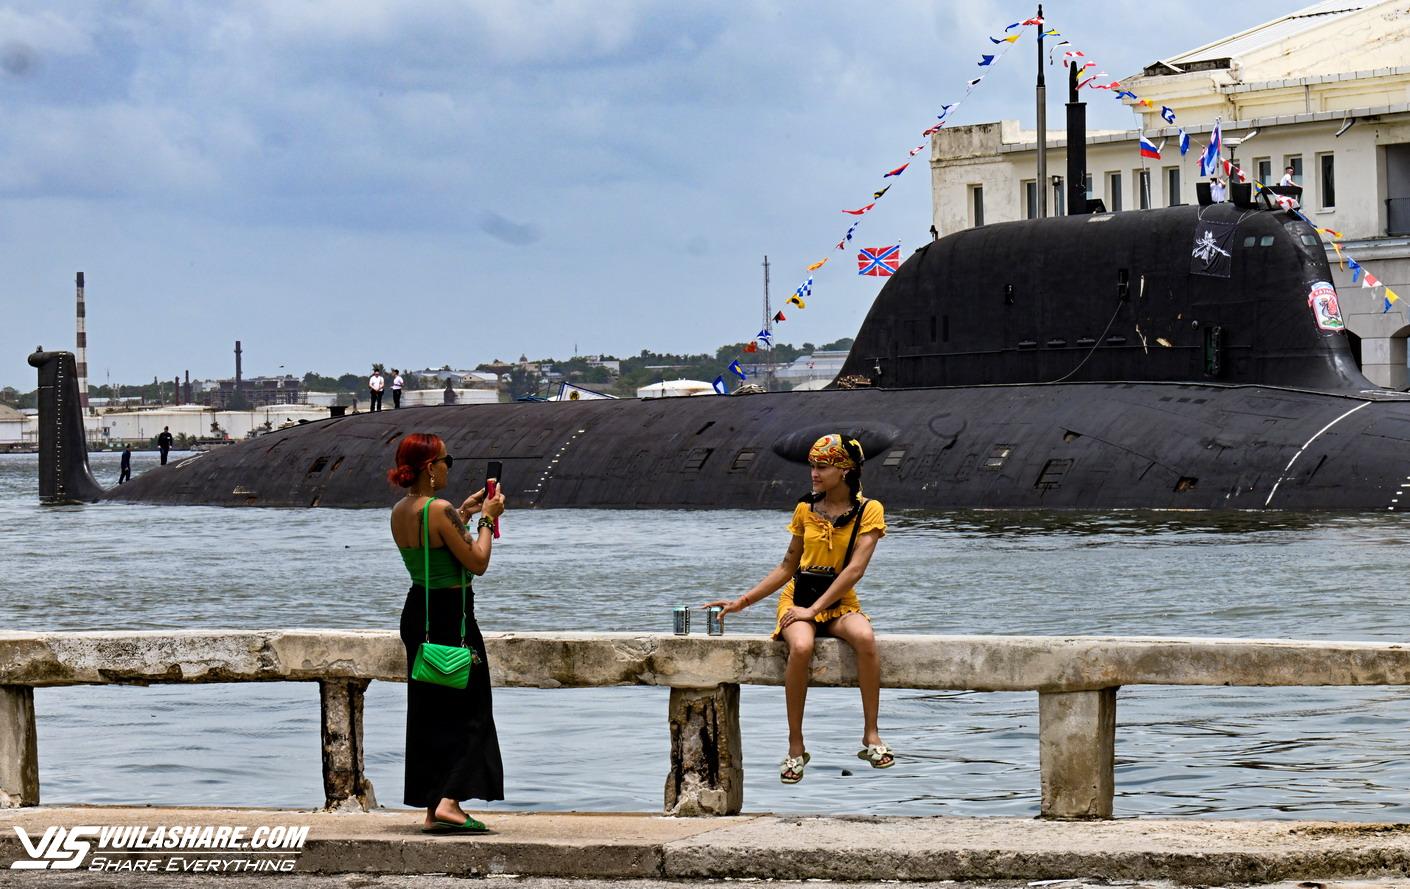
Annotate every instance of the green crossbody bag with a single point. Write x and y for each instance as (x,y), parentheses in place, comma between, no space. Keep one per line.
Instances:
(447,665)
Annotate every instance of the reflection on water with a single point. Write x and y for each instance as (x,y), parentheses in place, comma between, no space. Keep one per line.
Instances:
(1307,753)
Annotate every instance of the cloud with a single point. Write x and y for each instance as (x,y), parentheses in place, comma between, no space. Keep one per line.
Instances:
(18,59)
(508,231)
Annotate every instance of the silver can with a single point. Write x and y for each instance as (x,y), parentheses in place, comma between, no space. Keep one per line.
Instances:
(715,621)
(681,616)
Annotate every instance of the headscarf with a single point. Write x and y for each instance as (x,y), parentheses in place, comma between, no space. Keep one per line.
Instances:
(830,450)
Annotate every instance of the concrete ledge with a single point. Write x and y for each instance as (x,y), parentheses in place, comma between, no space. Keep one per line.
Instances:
(567,660)
(782,847)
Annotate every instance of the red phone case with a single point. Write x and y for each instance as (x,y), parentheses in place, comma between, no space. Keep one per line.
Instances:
(490,488)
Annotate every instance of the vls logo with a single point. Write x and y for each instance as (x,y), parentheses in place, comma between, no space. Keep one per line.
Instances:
(59,849)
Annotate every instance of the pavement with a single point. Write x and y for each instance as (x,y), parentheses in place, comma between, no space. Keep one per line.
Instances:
(383,848)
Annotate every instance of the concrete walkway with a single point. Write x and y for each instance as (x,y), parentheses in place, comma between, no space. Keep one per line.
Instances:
(864,849)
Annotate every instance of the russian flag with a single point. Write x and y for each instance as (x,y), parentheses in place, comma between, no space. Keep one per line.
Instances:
(1148,149)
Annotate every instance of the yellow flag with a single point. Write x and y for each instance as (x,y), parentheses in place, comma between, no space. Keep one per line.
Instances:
(1012,39)
(798,301)
(1390,295)
(819,264)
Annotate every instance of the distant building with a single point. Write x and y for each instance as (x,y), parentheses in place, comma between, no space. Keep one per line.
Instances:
(819,366)
(258,392)
(459,379)
(1322,90)
(614,367)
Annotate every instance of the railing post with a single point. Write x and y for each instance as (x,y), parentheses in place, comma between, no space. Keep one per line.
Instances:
(1076,752)
(345,786)
(707,763)
(19,748)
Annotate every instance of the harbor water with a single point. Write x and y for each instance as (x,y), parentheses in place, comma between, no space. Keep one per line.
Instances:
(1218,752)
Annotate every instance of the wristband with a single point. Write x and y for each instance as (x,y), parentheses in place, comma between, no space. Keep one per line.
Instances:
(485,523)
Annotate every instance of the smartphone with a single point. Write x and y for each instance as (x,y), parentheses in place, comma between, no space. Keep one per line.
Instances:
(493,482)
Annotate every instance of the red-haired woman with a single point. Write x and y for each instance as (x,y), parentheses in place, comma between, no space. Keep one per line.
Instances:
(452,751)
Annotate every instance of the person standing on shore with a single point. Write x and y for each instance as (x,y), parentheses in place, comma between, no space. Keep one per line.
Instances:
(452,748)
(397,383)
(835,531)
(375,385)
(125,475)
(164,442)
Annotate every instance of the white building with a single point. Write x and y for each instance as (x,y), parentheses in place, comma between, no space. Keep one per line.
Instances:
(1325,90)
(196,421)
(12,426)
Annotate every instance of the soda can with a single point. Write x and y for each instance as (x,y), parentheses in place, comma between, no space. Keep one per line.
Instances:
(681,615)
(715,621)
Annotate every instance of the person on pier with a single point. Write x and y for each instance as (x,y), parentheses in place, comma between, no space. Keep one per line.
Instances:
(452,749)
(835,531)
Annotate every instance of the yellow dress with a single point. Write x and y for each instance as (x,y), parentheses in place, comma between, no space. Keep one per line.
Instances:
(826,546)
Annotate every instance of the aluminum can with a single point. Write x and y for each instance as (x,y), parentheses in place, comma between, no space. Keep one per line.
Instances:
(681,619)
(715,621)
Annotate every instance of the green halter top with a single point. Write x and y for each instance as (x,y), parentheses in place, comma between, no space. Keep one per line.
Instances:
(435,569)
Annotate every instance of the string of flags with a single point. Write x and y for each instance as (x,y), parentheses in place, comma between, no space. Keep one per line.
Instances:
(1211,160)
(884,261)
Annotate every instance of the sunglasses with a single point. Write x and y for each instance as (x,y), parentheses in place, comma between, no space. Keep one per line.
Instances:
(448,460)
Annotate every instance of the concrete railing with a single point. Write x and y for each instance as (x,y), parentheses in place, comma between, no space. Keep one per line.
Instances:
(1076,679)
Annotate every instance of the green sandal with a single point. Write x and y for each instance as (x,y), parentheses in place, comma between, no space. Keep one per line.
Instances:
(469,826)
(790,771)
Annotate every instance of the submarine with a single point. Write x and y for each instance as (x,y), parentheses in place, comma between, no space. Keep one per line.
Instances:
(1084,362)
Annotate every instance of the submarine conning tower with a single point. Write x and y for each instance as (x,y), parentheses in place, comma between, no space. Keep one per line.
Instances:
(64,474)
(1111,297)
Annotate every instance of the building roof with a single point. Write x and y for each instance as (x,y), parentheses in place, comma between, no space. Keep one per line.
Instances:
(8,413)
(1221,52)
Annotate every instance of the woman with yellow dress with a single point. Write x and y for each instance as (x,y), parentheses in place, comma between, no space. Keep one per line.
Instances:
(835,531)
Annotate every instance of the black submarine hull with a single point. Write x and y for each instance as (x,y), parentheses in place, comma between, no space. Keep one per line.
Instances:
(1068,363)
(1067,446)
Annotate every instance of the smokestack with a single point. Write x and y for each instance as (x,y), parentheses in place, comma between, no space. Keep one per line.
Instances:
(176,390)
(186,391)
(82,349)
(1076,147)
(237,369)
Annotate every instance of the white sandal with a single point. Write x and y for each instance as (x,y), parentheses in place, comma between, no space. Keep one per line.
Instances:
(877,754)
(793,765)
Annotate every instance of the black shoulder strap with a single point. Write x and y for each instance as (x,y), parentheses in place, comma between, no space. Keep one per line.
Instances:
(857,526)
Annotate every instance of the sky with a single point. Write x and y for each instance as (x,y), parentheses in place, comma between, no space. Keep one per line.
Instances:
(338,182)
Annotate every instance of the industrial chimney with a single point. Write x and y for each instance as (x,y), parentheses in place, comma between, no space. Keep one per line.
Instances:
(82,350)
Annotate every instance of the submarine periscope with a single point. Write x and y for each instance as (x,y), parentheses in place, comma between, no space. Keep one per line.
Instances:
(1092,361)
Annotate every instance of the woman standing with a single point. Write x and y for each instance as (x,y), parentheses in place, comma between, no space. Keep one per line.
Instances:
(835,531)
(452,751)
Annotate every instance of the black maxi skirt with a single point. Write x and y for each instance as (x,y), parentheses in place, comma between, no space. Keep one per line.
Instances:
(452,750)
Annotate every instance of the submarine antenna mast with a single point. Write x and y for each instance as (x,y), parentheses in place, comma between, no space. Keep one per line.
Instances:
(768,327)
(1042,174)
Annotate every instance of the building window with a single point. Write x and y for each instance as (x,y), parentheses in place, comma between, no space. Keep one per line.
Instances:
(1143,189)
(1264,166)
(1172,186)
(1327,189)
(1294,161)
(976,205)
(1087,186)
(1113,192)
(1030,199)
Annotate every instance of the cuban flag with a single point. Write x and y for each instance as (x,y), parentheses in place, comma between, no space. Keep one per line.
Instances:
(1209,161)
(719,385)
(1148,149)
(879,262)
(738,371)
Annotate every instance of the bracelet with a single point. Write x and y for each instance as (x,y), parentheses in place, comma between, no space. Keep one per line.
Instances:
(485,523)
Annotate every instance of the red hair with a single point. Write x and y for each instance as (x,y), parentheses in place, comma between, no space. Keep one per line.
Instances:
(414,454)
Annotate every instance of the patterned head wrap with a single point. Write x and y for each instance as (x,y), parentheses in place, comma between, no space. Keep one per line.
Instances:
(831,450)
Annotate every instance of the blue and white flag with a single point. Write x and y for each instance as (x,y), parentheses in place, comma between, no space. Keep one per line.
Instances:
(1209,161)
(765,337)
(1355,269)
(985,60)
(738,371)
(1167,113)
(1184,142)
(720,385)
